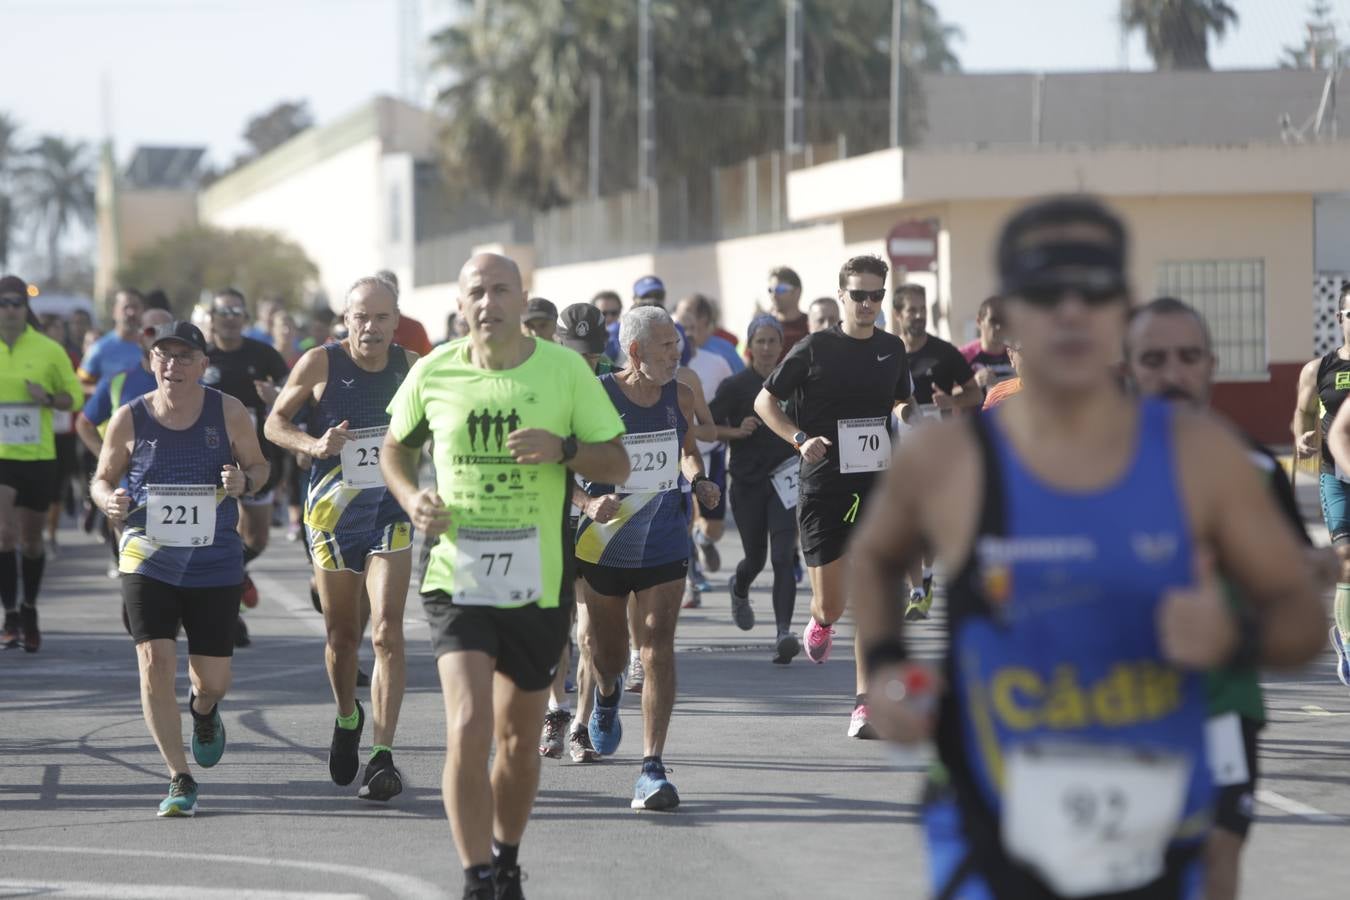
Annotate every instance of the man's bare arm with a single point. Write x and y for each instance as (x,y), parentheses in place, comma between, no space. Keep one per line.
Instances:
(280,427)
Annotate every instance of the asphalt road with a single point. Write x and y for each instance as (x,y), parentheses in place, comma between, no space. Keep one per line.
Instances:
(777,802)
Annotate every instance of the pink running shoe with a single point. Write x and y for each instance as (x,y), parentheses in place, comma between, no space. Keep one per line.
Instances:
(858,725)
(817,639)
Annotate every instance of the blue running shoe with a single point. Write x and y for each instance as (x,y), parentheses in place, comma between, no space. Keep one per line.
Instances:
(208,735)
(182,799)
(605,728)
(1342,656)
(653,791)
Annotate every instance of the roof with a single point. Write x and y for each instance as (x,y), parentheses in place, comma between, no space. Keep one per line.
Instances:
(171,168)
(1112,108)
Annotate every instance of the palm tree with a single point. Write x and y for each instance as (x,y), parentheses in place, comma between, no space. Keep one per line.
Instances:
(1176,32)
(58,189)
(11,155)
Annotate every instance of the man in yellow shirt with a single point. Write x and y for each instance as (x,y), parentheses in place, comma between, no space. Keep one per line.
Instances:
(35,377)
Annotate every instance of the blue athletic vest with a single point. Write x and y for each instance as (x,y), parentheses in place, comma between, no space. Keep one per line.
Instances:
(1053,626)
(192,456)
(360,399)
(651,528)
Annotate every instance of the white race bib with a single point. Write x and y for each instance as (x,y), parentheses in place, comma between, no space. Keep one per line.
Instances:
(62,421)
(181,515)
(497,567)
(1225,751)
(361,458)
(1092,820)
(864,445)
(786,481)
(20,423)
(656,462)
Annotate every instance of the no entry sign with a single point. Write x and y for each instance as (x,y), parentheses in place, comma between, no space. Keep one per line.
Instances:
(912,245)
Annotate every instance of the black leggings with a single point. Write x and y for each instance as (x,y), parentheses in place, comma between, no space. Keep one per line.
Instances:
(766,526)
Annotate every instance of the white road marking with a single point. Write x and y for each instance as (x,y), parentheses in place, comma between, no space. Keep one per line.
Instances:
(1318,711)
(409,887)
(62,889)
(1294,807)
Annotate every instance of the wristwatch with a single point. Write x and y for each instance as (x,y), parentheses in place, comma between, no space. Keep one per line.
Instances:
(798,439)
(569,448)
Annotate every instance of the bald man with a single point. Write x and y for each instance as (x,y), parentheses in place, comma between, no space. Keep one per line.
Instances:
(510,414)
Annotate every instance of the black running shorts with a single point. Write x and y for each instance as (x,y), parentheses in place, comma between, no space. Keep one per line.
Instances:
(612,581)
(826,520)
(33,480)
(156,608)
(1235,804)
(526,641)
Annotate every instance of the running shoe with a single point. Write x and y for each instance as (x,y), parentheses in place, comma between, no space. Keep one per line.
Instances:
(555,728)
(241,638)
(928,589)
(635,675)
(182,799)
(817,639)
(692,598)
(314,597)
(250,596)
(90,517)
(858,725)
(1342,656)
(208,735)
(113,573)
(605,728)
(579,746)
(344,753)
(382,781)
(742,613)
(653,791)
(508,882)
(486,890)
(32,638)
(786,648)
(293,534)
(919,604)
(12,633)
(708,556)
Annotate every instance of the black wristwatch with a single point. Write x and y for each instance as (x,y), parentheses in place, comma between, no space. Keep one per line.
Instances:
(698,479)
(569,448)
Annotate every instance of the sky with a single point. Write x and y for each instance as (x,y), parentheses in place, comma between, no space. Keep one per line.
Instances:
(192,72)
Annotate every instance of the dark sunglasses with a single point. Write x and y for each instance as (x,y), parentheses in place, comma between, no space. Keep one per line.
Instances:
(782,289)
(1047,297)
(12,302)
(228,312)
(861,296)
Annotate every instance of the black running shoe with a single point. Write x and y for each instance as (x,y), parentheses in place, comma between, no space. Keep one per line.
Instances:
(484,890)
(241,638)
(12,633)
(32,638)
(344,753)
(382,781)
(508,882)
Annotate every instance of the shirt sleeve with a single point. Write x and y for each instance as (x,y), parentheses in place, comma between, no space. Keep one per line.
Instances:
(64,377)
(98,408)
(791,373)
(954,370)
(407,412)
(594,418)
(725,402)
(92,360)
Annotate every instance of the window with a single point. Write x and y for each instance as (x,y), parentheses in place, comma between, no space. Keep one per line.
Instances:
(395,214)
(1231,295)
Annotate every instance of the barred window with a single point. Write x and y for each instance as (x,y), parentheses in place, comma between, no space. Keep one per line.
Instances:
(1231,295)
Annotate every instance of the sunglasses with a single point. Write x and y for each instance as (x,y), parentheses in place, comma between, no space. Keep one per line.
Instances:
(781,289)
(1047,297)
(228,312)
(12,302)
(861,296)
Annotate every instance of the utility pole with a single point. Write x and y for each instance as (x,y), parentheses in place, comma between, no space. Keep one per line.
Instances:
(897,73)
(794,85)
(593,173)
(646,110)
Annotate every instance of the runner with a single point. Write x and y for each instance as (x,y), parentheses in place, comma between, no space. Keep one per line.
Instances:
(633,541)
(764,473)
(253,373)
(358,535)
(1322,388)
(1005,389)
(187,453)
(943,382)
(785,297)
(540,319)
(1081,528)
(119,349)
(64,493)
(1168,354)
(492,590)
(36,378)
(822,315)
(843,384)
(988,353)
(410,334)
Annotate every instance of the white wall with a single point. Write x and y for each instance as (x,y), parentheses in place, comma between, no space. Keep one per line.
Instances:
(1331,215)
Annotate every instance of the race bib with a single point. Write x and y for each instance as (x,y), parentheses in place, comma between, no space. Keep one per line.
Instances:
(62,421)
(786,481)
(655,457)
(496,567)
(181,515)
(20,423)
(1092,820)
(1225,751)
(864,445)
(361,458)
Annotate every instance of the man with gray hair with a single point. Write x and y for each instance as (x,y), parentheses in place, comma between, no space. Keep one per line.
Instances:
(358,535)
(634,541)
